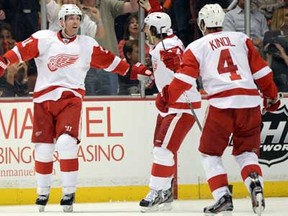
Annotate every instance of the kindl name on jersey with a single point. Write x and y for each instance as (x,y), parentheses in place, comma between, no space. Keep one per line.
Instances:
(220,42)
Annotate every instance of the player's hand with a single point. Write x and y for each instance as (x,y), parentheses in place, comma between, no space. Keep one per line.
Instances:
(150,5)
(171,60)
(145,4)
(139,69)
(162,100)
(271,105)
(3,65)
(150,82)
(147,81)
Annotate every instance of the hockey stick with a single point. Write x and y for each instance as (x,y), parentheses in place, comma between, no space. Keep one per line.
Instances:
(184,93)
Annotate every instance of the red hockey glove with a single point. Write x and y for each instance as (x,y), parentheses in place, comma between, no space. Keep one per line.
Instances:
(150,5)
(162,100)
(3,65)
(271,105)
(139,69)
(171,60)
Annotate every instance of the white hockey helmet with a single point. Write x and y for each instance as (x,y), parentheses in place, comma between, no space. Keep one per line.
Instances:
(161,21)
(210,16)
(69,9)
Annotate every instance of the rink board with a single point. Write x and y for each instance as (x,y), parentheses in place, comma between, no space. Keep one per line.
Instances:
(115,154)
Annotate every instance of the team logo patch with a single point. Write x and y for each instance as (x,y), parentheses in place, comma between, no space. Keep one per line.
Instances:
(60,61)
(274,137)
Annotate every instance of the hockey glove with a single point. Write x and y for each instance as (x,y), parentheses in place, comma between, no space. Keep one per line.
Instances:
(162,100)
(150,5)
(3,65)
(271,105)
(171,60)
(139,69)
(147,81)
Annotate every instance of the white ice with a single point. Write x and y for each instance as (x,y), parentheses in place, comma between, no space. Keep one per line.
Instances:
(242,207)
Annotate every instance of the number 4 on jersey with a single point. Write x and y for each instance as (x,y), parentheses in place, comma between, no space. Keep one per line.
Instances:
(226,65)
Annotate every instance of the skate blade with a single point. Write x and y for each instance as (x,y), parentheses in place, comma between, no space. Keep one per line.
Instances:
(165,207)
(258,209)
(227,213)
(224,213)
(41,208)
(68,208)
(149,209)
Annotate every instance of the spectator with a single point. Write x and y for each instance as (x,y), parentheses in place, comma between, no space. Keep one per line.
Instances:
(181,16)
(131,31)
(179,13)
(267,7)
(23,16)
(98,82)
(91,25)
(235,21)
(15,81)
(2,12)
(8,43)
(8,40)
(126,85)
(275,42)
(119,25)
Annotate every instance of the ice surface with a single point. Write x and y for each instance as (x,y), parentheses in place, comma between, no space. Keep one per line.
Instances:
(242,207)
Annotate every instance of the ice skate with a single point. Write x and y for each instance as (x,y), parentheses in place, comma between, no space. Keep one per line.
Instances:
(67,202)
(257,196)
(41,202)
(157,200)
(224,205)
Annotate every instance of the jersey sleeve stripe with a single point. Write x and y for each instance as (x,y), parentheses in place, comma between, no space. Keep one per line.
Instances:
(13,55)
(261,73)
(185,78)
(122,68)
(113,65)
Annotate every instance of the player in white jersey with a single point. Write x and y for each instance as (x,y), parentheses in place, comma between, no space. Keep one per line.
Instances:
(62,59)
(172,123)
(232,71)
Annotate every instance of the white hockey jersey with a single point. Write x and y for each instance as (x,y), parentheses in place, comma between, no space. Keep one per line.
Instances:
(164,76)
(229,66)
(62,65)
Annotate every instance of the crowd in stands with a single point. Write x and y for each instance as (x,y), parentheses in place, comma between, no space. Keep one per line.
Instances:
(114,24)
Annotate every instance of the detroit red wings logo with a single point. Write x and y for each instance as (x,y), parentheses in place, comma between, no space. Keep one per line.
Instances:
(60,61)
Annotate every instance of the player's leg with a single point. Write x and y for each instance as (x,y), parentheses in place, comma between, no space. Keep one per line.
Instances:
(69,165)
(42,137)
(67,135)
(170,132)
(246,149)
(43,169)
(214,140)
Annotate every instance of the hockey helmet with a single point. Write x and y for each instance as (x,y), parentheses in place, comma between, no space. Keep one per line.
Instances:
(69,9)
(210,16)
(161,21)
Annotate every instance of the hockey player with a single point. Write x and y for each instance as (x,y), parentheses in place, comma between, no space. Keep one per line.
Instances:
(62,59)
(232,71)
(172,123)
